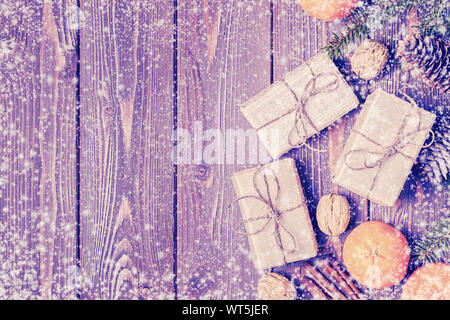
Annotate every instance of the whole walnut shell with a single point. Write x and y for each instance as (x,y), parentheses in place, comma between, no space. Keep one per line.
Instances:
(333,214)
(274,286)
(369,59)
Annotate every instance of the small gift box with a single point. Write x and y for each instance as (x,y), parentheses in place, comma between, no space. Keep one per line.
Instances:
(383,146)
(307,100)
(275,214)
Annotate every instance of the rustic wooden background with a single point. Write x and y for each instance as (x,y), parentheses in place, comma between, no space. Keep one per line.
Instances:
(92,205)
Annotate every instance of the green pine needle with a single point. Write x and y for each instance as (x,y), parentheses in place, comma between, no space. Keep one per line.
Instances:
(357,29)
(434,245)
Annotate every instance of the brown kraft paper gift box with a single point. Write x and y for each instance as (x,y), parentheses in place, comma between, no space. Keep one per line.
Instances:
(308,99)
(275,214)
(382,147)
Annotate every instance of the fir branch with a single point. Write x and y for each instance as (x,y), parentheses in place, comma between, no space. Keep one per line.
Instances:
(383,12)
(356,30)
(434,245)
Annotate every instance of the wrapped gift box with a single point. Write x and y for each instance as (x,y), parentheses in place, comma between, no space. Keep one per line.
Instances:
(275,214)
(307,100)
(382,147)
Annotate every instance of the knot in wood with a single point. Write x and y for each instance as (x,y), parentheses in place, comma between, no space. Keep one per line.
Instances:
(202,172)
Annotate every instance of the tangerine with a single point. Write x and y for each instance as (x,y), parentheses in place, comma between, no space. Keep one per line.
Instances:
(376,254)
(328,10)
(430,282)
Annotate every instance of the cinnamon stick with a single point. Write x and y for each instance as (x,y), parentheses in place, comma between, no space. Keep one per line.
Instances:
(323,282)
(340,282)
(313,289)
(348,280)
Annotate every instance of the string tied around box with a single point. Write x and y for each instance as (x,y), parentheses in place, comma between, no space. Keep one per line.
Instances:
(302,117)
(270,199)
(403,139)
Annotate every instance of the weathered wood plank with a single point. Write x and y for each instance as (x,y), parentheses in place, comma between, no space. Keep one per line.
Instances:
(430,202)
(298,37)
(399,216)
(126,128)
(223,59)
(38,180)
(418,206)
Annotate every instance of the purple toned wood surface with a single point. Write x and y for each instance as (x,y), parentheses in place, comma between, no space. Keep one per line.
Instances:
(126,224)
(38,154)
(298,37)
(223,59)
(147,228)
(416,207)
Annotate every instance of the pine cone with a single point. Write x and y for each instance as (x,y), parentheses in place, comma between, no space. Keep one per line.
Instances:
(434,161)
(430,57)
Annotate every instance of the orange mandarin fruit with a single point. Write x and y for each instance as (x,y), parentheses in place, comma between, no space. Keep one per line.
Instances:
(328,10)
(376,254)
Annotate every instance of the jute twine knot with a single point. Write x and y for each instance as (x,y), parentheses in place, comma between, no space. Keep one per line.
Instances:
(273,213)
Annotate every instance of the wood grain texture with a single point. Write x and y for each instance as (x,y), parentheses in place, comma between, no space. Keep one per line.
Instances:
(38,179)
(418,205)
(298,37)
(126,146)
(223,59)
(133,245)
(401,214)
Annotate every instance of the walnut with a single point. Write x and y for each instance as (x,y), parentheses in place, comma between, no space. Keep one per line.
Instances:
(369,59)
(274,286)
(333,214)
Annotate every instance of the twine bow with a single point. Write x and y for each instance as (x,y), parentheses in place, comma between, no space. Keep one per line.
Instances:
(273,212)
(402,140)
(302,116)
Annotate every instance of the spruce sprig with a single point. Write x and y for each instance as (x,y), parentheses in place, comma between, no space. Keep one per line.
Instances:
(357,29)
(434,245)
(383,12)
